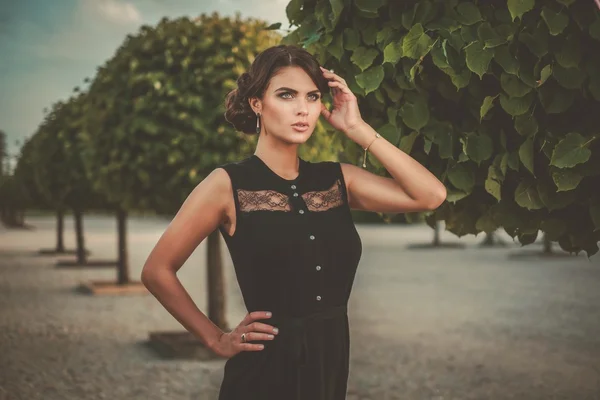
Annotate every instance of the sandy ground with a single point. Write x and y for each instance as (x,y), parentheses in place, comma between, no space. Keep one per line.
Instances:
(443,324)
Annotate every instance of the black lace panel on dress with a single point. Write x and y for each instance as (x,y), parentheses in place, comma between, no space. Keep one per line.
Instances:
(271,200)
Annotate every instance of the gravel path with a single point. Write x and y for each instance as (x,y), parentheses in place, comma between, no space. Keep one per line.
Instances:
(441,324)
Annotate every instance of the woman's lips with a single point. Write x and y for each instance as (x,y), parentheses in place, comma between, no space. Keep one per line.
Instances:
(300,128)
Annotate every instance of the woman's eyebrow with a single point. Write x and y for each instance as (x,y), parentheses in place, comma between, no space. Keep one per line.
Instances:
(295,91)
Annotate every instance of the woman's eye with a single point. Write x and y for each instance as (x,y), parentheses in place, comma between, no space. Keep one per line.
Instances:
(314,96)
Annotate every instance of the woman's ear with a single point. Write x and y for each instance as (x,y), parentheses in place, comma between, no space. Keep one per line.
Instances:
(255,104)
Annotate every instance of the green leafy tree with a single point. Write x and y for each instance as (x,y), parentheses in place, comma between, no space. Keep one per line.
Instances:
(3,153)
(20,191)
(498,99)
(59,173)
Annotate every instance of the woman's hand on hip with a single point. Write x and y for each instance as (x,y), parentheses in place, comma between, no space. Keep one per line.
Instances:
(230,343)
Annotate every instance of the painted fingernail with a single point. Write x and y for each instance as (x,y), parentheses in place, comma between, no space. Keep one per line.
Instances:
(276,330)
(270,336)
(261,346)
(269,313)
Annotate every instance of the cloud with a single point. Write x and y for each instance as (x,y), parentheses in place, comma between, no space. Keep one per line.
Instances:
(115,11)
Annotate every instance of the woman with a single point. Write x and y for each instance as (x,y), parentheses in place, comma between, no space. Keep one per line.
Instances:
(288,227)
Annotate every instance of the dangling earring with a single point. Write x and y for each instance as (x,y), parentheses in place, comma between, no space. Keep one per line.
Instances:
(257,123)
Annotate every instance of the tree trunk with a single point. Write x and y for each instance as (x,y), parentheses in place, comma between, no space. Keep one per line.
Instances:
(215,281)
(547,245)
(21,218)
(81,254)
(436,234)
(60,244)
(123,259)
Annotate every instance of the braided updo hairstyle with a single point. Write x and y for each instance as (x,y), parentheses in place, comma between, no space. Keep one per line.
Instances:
(254,82)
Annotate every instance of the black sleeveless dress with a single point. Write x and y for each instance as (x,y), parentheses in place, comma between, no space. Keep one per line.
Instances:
(295,251)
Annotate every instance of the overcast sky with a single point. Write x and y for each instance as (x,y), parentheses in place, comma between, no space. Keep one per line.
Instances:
(47,47)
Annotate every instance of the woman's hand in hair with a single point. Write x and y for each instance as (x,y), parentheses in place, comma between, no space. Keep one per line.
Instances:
(345,115)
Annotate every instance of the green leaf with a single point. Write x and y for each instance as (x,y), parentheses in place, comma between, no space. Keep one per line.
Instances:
(444,24)
(370,6)
(556,22)
(570,78)
(452,196)
(337,6)
(537,42)
(273,27)
(513,160)
(513,86)
(552,199)
(351,39)
(390,133)
(415,113)
(393,92)
(569,54)
(416,43)
(554,98)
(461,79)
(336,47)
(516,105)
(493,182)
(363,57)
(526,195)
(393,52)
(566,179)
(506,60)
(407,142)
(488,103)
(519,7)
(486,223)
(526,154)
(526,125)
(545,74)
(478,147)
(468,13)
(489,36)
(370,79)
(570,151)
(478,59)
(294,11)
(462,177)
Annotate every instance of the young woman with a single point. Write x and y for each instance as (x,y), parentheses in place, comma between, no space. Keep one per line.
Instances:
(288,227)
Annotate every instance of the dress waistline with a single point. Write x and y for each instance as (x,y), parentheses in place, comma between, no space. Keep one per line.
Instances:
(294,330)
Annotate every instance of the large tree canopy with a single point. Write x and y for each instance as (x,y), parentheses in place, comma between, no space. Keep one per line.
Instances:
(499,99)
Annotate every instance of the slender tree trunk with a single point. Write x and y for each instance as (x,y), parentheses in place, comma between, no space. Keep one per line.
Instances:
(123,259)
(81,254)
(547,245)
(21,218)
(215,281)
(60,244)
(436,234)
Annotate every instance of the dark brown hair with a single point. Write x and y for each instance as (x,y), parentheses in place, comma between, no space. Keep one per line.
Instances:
(254,82)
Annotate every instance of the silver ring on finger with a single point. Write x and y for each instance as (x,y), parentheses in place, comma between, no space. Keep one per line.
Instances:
(243,338)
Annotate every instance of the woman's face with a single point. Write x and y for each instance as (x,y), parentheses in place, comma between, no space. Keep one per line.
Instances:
(291,97)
